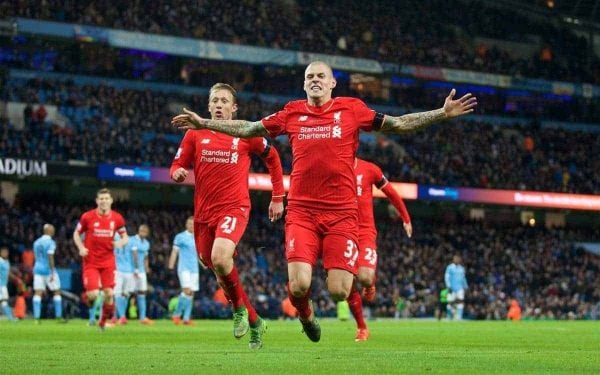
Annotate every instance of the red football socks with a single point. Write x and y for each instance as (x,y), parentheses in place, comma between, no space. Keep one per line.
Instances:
(233,290)
(356,307)
(108,311)
(301,304)
(252,315)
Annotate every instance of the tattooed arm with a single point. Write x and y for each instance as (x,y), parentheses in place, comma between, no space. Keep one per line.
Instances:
(236,128)
(419,120)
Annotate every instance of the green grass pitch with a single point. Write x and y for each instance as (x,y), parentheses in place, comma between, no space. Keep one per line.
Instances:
(394,347)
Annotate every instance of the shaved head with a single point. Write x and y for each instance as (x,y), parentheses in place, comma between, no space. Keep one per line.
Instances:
(320,64)
(49,229)
(318,83)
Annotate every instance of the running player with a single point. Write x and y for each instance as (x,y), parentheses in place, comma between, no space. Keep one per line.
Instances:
(140,247)
(222,203)
(367,176)
(44,273)
(184,246)
(322,218)
(97,251)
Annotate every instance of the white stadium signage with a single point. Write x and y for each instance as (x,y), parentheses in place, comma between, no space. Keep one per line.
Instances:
(23,167)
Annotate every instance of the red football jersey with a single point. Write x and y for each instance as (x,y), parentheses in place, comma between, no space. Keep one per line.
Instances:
(324,141)
(99,231)
(367,176)
(221,164)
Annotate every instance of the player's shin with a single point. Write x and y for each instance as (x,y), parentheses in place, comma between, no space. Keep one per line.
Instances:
(37,306)
(141,302)
(7,310)
(57,301)
(233,288)
(356,307)
(189,304)
(459,310)
(302,304)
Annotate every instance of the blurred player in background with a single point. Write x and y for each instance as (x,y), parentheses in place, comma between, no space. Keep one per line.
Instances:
(367,176)
(322,217)
(184,247)
(140,248)
(44,273)
(97,251)
(456,282)
(4,274)
(124,281)
(222,203)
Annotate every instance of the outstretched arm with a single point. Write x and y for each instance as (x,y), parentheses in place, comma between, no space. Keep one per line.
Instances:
(419,120)
(236,128)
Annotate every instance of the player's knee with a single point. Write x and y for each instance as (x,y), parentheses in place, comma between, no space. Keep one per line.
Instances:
(365,279)
(339,294)
(92,296)
(299,289)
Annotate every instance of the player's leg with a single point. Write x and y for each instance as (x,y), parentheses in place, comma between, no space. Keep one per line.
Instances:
(367,263)
(367,267)
(54,287)
(450,305)
(141,290)
(460,304)
(91,284)
(189,294)
(4,303)
(185,297)
(39,286)
(120,296)
(302,245)
(107,278)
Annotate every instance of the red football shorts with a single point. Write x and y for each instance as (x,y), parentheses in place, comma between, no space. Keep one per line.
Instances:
(311,233)
(94,277)
(367,249)
(231,225)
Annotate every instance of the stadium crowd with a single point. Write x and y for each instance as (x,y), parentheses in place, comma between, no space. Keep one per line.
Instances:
(50,55)
(138,125)
(540,267)
(432,32)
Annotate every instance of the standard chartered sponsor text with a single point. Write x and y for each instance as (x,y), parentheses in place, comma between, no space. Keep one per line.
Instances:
(317,132)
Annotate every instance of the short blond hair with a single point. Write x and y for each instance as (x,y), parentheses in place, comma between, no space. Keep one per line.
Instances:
(223,86)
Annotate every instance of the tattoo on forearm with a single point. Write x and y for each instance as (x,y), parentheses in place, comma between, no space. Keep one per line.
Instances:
(237,128)
(412,121)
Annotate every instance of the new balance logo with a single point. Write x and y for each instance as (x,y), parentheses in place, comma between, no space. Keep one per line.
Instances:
(303,118)
(205,141)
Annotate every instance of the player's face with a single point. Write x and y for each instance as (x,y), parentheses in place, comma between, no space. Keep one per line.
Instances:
(457,260)
(319,82)
(4,253)
(143,232)
(221,105)
(189,225)
(104,201)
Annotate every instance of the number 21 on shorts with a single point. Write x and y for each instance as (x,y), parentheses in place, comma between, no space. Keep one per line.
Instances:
(351,252)
(228,225)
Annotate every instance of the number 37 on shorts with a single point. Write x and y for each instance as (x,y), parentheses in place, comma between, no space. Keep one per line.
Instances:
(351,253)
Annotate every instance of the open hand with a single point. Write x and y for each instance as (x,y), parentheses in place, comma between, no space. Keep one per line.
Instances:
(275,211)
(458,107)
(187,120)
